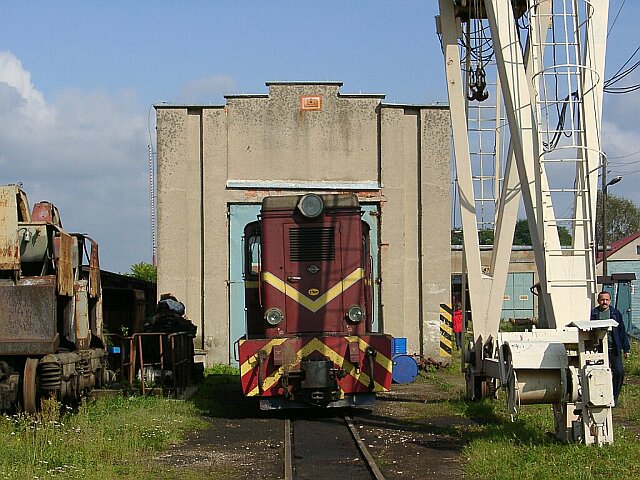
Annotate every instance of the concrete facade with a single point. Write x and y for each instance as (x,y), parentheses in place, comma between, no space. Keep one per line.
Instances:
(393,156)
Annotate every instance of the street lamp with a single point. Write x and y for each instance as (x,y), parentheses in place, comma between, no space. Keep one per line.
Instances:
(613,181)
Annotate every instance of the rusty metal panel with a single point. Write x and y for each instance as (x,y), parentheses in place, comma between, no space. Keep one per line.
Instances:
(28,316)
(354,353)
(9,244)
(65,265)
(94,271)
(24,213)
(278,355)
(46,212)
(96,325)
(82,326)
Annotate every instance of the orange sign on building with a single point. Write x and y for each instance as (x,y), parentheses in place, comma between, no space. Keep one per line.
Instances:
(311,102)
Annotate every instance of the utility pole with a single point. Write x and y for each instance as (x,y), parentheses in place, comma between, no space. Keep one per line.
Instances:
(605,186)
(604,217)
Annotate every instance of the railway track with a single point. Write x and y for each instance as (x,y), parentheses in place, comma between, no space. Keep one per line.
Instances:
(327,447)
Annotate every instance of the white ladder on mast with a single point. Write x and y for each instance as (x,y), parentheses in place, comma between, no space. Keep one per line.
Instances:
(565,85)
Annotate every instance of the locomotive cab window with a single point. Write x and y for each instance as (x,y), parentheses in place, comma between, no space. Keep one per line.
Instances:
(252,253)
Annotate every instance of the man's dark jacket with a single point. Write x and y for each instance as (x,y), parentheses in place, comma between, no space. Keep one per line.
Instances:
(619,333)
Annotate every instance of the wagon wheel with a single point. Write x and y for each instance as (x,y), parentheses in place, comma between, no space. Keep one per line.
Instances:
(29,392)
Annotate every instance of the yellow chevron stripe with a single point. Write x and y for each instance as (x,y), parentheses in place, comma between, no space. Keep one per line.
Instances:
(446,309)
(252,362)
(445,312)
(446,328)
(325,350)
(322,300)
(380,359)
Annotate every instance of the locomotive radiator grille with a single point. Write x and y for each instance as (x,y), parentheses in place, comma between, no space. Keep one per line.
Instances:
(312,244)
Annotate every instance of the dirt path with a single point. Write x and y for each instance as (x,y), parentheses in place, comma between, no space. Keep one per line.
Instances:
(411,432)
(243,442)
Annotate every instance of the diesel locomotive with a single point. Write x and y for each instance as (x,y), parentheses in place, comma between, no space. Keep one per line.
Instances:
(309,306)
(51,339)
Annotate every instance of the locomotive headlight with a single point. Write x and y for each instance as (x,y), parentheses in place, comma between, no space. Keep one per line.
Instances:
(311,205)
(355,313)
(273,316)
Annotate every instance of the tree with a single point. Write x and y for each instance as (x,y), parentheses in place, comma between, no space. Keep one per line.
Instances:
(623,218)
(485,237)
(522,234)
(565,236)
(144,271)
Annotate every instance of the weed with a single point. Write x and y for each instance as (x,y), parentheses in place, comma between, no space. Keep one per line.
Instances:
(105,438)
(496,447)
(222,369)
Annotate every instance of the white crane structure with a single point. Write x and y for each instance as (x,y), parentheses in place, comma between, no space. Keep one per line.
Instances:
(536,68)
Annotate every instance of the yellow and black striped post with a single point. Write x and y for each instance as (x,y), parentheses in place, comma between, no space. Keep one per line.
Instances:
(446,330)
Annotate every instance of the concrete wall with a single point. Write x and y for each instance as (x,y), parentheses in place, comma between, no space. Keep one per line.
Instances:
(256,145)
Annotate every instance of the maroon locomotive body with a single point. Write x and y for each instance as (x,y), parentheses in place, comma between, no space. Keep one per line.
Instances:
(309,306)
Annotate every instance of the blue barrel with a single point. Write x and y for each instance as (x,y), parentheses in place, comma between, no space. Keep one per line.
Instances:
(404,370)
(398,346)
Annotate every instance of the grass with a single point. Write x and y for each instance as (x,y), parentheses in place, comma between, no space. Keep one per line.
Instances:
(496,448)
(102,439)
(223,370)
(118,437)
(224,380)
(110,438)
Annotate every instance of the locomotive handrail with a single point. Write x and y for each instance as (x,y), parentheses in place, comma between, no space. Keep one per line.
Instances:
(236,350)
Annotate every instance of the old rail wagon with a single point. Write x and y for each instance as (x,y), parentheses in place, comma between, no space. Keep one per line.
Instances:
(51,340)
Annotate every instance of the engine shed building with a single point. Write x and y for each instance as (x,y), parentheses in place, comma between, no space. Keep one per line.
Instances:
(215,164)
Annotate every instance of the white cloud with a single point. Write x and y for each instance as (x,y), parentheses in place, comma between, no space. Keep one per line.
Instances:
(620,138)
(12,73)
(84,151)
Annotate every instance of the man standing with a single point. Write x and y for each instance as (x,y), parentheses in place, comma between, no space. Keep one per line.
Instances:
(617,339)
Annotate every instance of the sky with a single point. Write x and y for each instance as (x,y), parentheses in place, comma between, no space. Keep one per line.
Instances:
(78,81)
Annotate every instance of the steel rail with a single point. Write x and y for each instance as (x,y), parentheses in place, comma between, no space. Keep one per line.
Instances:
(371,463)
(288,450)
(288,456)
